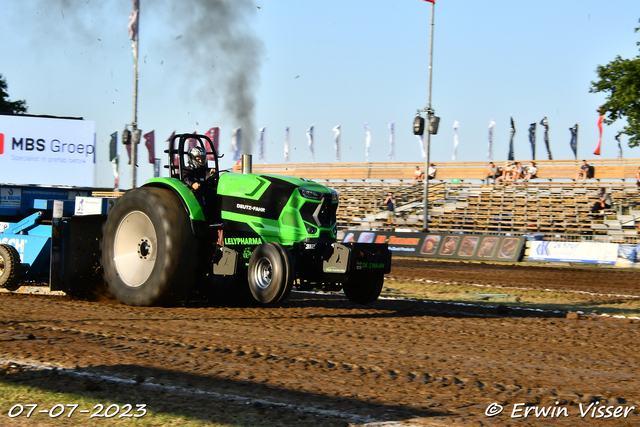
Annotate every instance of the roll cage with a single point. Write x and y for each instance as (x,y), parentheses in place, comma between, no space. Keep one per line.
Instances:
(177,153)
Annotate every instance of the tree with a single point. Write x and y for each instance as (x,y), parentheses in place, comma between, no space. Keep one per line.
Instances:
(620,80)
(9,107)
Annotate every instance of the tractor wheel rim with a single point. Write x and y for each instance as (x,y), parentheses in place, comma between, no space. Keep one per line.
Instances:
(263,273)
(2,265)
(135,248)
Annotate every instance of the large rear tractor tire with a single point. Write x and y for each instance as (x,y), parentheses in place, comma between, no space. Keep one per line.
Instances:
(149,253)
(363,290)
(10,268)
(270,273)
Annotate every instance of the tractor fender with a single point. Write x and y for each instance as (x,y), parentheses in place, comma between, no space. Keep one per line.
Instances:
(189,202)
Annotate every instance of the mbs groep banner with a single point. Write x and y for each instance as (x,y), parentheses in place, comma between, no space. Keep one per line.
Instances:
(47,151)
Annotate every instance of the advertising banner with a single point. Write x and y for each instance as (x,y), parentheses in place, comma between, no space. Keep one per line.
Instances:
(584,252)
(444,245)
(47,151)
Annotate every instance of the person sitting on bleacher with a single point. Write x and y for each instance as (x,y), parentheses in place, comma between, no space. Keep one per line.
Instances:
(418,175)
(518,172)
(532,171)
(583,172)
(604,201)
(492,173)
(431,172)
(507,172)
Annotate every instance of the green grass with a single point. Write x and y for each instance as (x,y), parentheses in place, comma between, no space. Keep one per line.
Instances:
(535,299)
(12,394)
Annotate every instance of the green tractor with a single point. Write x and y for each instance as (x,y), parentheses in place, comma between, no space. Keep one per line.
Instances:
(255,235)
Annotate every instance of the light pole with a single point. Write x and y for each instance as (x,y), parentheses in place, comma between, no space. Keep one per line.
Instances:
(134,126)
(431,127)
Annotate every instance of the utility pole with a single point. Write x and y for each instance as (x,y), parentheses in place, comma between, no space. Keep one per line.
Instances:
(135,133)
(429,111)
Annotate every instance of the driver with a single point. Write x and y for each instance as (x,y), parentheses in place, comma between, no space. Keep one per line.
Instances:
(196,174)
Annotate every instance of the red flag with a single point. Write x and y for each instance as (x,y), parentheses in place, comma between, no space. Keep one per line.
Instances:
(151,146)
(214,135)
(192,141)
(600,119)
(431,1)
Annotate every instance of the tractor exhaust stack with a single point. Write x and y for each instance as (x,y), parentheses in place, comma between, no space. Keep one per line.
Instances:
(246,163)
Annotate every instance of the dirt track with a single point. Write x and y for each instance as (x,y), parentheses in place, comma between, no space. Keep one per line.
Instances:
(335,364)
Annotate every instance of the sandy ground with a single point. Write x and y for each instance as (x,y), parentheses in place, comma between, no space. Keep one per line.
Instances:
(318,360)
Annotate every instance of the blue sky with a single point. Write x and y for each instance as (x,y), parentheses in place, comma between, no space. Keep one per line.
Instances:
(326,63)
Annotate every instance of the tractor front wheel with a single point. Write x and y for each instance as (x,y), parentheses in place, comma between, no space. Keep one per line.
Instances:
(270,273)
(10,268)
(149,253)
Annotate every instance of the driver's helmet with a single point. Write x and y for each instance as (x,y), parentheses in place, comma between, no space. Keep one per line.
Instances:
(197,158)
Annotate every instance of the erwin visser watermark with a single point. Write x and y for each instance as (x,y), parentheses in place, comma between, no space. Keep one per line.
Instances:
(592,410)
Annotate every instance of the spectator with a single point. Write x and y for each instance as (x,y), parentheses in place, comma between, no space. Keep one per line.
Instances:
(506,172)
(638,177)
(583,172)
(390,201)
(492,173)
(532,171)
(431,172)
(418,175)
(518,171)
(604,201)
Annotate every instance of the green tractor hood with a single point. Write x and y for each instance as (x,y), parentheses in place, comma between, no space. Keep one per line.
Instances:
(277,208)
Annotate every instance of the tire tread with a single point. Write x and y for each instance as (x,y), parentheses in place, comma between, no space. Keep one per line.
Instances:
(10,279)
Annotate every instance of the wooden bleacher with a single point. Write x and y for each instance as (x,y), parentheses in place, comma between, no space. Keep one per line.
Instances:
(520,208)
(605,169)
(557,208)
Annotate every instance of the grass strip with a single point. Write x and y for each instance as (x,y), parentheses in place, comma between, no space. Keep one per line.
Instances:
(13,394)
(612,305)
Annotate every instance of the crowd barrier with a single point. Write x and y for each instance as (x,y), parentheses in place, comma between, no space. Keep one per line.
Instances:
(574,252)
(488,247)
(492,247)
(602,253)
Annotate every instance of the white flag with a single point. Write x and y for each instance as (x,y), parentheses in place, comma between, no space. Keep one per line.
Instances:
(490,150)
(367,139)
(456,125)
(310,138)
(236,144)
(261,152)
(392,154)
(116,174)
(286,144)
(336,138)
(421,144)
(132,27)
